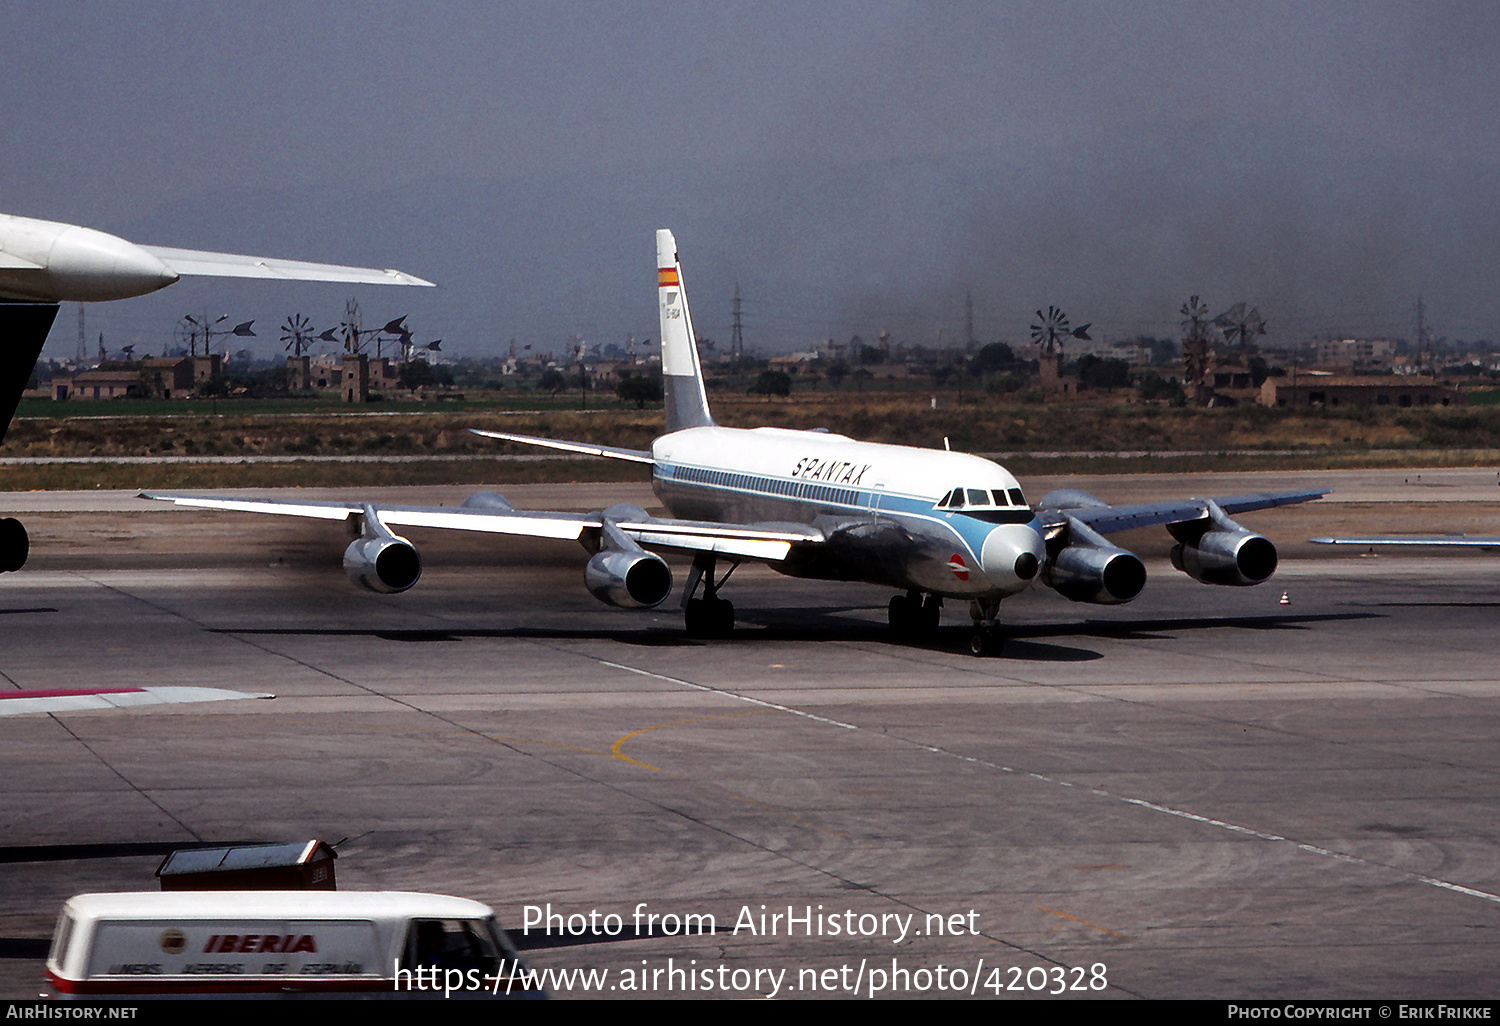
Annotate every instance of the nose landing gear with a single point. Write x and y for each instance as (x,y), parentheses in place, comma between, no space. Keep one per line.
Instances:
(986,639)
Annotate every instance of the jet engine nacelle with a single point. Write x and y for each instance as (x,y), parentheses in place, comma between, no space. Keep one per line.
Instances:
(1216,550)
(1082,566)
(631,580)
(389,565)
(1240,558)
(1091,573)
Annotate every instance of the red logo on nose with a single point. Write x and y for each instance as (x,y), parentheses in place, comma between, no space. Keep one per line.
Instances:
(958,566)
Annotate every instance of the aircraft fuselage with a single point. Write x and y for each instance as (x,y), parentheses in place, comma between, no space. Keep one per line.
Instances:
(877,504)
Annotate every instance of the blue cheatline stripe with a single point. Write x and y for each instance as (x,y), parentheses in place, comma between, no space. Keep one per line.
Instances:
(972,532)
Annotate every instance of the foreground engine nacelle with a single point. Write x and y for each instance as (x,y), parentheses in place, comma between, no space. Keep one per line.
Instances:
(1220,551)
(378,559)
(621,573)
(1090,569)
(631,580)
(387,565)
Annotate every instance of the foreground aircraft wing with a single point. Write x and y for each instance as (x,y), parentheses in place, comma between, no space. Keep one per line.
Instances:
(1108,519)
(492,514)
(1438,541)
(235,265)
(52,700)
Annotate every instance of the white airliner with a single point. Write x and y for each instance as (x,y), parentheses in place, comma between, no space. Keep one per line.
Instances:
(934,524)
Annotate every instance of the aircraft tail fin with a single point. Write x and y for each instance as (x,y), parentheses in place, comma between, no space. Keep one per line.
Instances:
(682,375)
(24,327)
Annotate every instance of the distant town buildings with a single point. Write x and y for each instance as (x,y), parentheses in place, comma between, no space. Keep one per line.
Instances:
(1387,390)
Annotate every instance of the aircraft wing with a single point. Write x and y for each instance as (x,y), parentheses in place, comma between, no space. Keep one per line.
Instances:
(491,514)
(235,265)
(1107,519)
(52,700)
(1441,541)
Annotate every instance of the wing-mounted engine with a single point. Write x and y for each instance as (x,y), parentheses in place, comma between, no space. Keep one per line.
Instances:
(1083,566)
(621,573)
(380,560)
(1216,550)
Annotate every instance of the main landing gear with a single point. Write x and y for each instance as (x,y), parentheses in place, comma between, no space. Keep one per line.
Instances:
(912,618)
(709,616)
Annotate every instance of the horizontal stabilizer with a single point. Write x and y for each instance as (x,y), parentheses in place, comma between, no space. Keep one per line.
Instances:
(634,455)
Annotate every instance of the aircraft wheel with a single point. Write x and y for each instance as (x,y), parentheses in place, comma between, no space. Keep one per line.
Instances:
(899,615)
(695,620)
(709,618)
(984,642)
(931,615)
(907,616)
(723,618)
(14,545)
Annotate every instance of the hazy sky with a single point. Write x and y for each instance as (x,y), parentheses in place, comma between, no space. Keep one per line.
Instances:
(855,167)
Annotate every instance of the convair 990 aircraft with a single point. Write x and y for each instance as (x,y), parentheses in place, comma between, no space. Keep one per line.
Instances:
(933,524)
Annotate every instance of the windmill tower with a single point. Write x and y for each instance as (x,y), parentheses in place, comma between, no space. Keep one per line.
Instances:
(297,336)
(1047,335)
(355,387)
(1197,351)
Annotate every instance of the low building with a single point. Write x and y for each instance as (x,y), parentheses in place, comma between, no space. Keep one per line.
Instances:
(1402,392)
(167,377)
(99,384)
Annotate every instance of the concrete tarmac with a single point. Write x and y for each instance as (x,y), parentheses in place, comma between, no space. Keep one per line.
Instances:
(1203,794)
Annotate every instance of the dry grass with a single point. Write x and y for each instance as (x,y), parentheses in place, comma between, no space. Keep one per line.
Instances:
(1076,436)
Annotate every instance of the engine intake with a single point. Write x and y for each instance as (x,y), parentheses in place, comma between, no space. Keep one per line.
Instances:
(1237,558)
(387,565)
(1216,550)
(1106,576)
(631,580)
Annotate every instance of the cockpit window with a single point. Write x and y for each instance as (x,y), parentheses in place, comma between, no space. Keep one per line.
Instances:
(999,505)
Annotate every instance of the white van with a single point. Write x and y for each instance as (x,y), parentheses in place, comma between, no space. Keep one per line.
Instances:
(288,943)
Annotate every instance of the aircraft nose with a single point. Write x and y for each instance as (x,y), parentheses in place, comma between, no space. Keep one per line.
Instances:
(1012,554)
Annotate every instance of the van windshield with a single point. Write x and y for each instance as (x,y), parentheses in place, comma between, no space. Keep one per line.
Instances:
(452,944)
